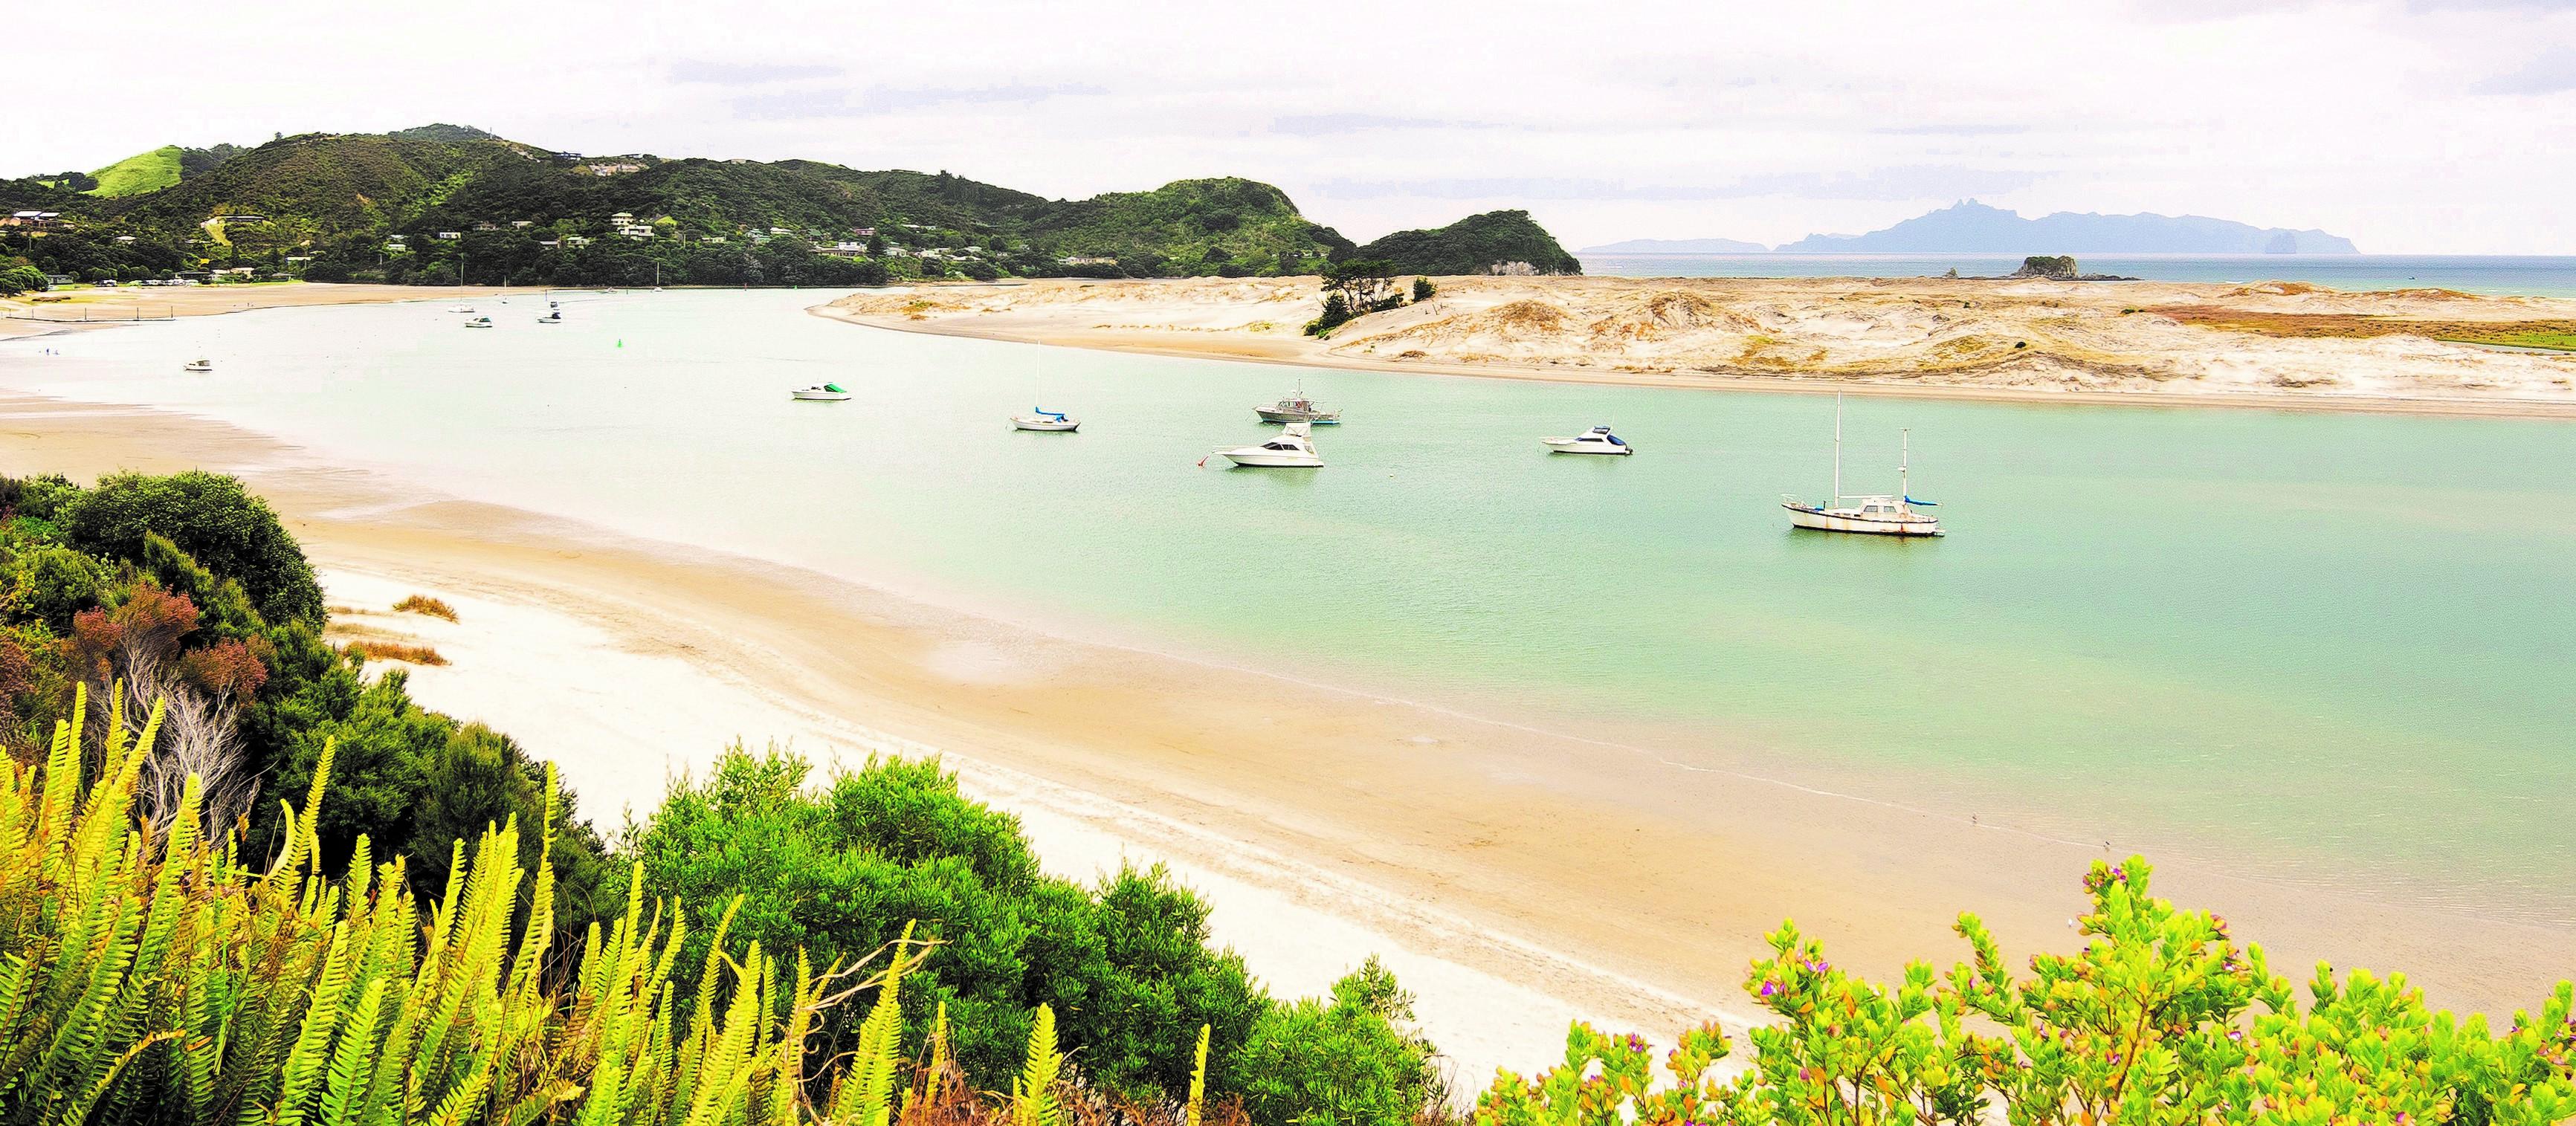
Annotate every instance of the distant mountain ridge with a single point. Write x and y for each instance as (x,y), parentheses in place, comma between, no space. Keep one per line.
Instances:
(1677,246)
(1970,227)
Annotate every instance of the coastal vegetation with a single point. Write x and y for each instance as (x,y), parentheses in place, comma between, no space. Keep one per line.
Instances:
(420,929)
(2555,335)
(1496,242)
(449,204)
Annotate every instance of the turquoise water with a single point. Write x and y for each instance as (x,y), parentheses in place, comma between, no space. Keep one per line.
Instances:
(2526,274)
(2331,647)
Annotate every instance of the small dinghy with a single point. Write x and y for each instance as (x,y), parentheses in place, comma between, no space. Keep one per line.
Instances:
(1039,418)
(479,322)
(1294,448)
(201,365)
(462,309)
(820,393)
(1598,440)
(553,318)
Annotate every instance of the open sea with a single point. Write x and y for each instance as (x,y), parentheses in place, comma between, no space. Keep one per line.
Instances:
(2331,648)
(2527,275)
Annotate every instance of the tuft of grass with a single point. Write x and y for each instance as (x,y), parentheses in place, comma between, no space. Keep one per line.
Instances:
(424,604)
(393,651)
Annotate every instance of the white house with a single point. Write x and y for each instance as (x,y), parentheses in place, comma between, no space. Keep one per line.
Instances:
(448,236)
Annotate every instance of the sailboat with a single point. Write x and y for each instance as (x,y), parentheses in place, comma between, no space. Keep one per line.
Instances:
(1042,419)
(1865,515)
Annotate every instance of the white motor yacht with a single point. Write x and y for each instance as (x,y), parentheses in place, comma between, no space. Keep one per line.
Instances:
(553,318)
(1892,515)
(1598,440)
(479,322)
(1294,448)
(462,309)
(820,393)
(201,365)
(1039,418)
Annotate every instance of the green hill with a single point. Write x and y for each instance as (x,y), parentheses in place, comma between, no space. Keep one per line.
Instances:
(139,173)
(444,202)
(160,168)
(1492,242)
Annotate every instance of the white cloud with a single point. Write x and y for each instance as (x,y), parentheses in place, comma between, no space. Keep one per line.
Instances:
(2408,125)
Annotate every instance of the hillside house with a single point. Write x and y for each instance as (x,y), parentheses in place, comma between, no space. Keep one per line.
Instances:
(487,225)
(522,224)
(450,236)
(1086,260)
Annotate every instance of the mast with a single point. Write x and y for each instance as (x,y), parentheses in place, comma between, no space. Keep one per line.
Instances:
(1904,456)
(1838,451)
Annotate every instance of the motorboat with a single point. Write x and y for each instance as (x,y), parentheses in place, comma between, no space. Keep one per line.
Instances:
(462,309)
(479,322)
(1298,408)
(201,365)
(820,393)
(553,318)
(1598,440)
(1880,515)
(1294,448)
(1039,418)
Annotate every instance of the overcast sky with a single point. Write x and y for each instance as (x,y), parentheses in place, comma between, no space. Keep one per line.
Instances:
(2408,126)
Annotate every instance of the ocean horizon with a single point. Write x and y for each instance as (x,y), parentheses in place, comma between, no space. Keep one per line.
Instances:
(2519,275)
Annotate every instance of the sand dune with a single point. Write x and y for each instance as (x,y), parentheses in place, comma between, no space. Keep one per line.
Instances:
(1923,334)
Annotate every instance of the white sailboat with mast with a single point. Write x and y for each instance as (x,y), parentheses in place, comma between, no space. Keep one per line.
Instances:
(1878,515)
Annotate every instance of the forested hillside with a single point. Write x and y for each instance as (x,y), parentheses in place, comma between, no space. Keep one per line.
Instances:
(448,204)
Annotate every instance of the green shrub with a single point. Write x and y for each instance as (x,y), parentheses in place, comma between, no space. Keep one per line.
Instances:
(2160,1019)
(1124,964)
(1350,1060)
(211,518)
(49,584)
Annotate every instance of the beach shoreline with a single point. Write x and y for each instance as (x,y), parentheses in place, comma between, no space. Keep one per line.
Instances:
(1650,881)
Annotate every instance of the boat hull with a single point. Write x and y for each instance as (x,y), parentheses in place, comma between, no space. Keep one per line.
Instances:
(820,396)
(1045,425)
(1273,459)
(1817,519)
(1572,446)
(1319,418)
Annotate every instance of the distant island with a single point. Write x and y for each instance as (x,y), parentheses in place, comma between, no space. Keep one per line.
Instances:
(1677,246)
(451,204)
(1974,228)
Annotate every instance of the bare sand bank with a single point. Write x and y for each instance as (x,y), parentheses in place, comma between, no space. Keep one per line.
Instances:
(31,314)
(2089,342)
(1604,879)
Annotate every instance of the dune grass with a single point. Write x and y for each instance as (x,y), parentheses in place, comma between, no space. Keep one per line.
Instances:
(424,604)
(394,651)
(2553,334)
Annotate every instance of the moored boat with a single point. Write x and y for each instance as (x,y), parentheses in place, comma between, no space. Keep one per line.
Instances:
(1598,440)
(820,393)
(1879,515)
(1294,448)
(479,322)
(1296,407)
(1041,419)
(201,365)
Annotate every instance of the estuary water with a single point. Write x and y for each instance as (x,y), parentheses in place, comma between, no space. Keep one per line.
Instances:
(2330,648)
